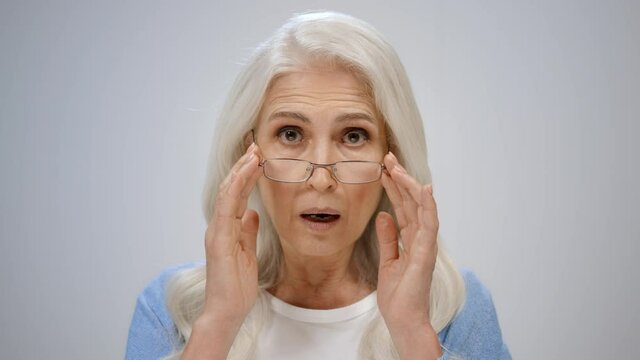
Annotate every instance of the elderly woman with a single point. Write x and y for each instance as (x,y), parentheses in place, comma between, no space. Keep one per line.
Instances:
(323,231)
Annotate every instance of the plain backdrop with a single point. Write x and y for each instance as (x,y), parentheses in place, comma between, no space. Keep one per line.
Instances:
(531,112)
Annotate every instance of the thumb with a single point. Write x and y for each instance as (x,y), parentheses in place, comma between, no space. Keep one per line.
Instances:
(249,233)
(387,237)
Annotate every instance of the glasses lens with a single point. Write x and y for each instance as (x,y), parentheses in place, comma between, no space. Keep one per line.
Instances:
(357,172)
(286,170)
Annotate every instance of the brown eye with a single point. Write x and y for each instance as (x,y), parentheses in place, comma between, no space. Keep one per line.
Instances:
(355,136)
(290,135)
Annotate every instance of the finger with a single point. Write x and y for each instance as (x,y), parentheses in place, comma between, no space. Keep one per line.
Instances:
(387,238)
(425,246)
(396,199)
(428,210)
(236,167)
(249,234)
(408,204)
(257,154)
(424,242)
(232,200)
(402,177)
(424,252)
(230,207)
(394,192)
(227,223)
(248,187)
(408,186)
(427,214)
(422,194)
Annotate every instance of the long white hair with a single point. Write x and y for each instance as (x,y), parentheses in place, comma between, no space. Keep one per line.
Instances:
(337,40)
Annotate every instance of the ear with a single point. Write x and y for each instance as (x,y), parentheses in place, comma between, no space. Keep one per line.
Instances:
(248,138)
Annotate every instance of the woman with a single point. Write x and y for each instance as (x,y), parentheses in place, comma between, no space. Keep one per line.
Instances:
(340,258)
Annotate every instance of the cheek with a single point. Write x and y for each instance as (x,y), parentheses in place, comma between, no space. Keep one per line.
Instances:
(274,198)
(266,196)
(266,193)
(366,200)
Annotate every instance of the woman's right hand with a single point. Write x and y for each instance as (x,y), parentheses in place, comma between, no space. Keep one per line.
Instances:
(232,273)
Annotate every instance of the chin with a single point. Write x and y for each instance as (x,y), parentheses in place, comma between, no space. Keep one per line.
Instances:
(312,243)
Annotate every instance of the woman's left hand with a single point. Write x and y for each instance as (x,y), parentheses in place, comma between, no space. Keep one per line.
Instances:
(405,273)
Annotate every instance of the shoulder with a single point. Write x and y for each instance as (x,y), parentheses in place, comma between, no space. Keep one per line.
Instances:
(154,291)
(153,296)
(152,333)
(475,330)
(477,297)
(478,304)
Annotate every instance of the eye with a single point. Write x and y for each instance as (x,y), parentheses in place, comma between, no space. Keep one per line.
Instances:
(355,136)
(290,134)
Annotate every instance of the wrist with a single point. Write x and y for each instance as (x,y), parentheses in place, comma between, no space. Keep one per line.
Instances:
(211,338)
(217,326)
(417,342)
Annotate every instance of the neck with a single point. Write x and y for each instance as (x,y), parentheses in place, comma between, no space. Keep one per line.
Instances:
(320,282)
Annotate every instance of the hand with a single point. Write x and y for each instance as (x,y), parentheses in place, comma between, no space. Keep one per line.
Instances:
(231,288)
(404,275)
(230,242)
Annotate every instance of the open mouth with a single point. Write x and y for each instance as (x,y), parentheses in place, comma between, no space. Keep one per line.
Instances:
(321,217)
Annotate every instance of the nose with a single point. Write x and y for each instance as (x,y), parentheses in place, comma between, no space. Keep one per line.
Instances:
(322,179)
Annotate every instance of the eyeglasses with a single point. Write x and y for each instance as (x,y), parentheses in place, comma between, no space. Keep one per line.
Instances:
(298,171)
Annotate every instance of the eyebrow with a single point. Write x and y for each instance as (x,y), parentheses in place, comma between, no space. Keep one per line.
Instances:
(301,117)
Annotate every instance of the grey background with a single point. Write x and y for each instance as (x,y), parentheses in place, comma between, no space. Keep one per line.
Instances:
(531,111)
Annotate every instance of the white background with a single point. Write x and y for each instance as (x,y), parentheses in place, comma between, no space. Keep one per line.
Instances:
(531,112)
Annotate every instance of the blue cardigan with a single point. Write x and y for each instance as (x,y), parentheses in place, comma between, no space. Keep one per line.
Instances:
(473,334)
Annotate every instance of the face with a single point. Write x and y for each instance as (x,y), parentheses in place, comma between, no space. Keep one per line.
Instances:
(322,116)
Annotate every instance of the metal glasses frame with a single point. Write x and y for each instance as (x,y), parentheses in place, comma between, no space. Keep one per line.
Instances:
(316,165)
(331,167)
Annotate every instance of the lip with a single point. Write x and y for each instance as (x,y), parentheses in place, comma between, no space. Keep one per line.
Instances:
(319,226)
(323,210)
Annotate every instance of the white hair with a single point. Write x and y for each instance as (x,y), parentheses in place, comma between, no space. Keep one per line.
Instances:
(306,39)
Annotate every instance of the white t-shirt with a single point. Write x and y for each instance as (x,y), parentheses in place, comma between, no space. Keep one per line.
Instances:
(298,333)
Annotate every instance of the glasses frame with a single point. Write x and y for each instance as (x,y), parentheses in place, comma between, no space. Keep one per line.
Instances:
(316,165)
(330,166)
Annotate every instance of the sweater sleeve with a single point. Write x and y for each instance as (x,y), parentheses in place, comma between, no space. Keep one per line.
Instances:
(475,332)
(152,334)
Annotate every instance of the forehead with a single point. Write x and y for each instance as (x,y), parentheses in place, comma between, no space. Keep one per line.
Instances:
(318,78)
(319,89)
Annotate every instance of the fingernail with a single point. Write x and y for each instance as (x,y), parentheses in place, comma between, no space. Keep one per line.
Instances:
(253,145)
